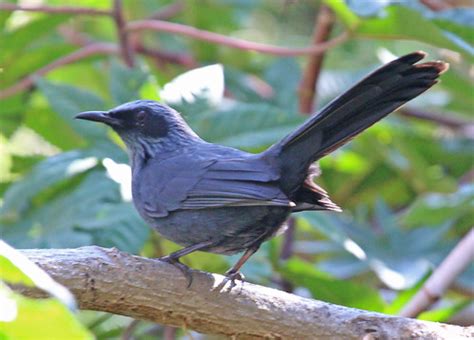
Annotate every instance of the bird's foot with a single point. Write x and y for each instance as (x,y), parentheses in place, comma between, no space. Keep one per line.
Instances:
(232,275)
(187,272)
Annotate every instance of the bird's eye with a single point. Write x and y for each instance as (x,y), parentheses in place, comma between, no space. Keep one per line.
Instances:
(141,117)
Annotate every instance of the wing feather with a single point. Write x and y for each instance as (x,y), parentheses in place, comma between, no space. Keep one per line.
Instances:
(211,183)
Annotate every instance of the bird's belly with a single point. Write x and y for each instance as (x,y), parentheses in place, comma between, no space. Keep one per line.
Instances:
(231,229)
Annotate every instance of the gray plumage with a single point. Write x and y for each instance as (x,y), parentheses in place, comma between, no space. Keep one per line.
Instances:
(218,199)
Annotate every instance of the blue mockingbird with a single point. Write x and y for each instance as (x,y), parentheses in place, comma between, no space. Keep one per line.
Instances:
(222,200)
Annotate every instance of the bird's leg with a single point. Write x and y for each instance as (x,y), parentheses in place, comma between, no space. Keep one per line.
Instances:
(173,258)
(234,273)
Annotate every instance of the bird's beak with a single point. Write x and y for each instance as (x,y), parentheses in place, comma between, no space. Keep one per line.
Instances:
(96,116)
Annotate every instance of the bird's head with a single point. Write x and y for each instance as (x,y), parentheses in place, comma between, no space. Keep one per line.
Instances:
(143,121)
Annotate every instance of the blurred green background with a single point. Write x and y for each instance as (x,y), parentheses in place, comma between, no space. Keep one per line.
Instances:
(406,184)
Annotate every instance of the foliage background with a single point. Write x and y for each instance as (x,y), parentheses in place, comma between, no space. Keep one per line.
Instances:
(405,184)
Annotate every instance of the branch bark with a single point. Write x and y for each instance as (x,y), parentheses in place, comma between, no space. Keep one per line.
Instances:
(170,27)
(54,9)
(464,126)
(168,11)
(436,5)
(322,29)
(112,281)
(123,39)
(435,287)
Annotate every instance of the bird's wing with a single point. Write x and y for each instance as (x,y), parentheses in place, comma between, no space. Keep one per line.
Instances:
(181,184)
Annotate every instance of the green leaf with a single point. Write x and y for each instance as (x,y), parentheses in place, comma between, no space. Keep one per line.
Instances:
(283,76)
(405,296)
(116,225)
(4,15)
(24,164)
(399,22)
(13,43)
(125,83)
(460,88)
(20,270)
(83,210)
(344,13)
(237,83)
(247,126)
(47,173)
(12,274)
(11,114)
(324,287)
(444,314)
(437,208)
(26,63)
(458,21)
(24,318)
(399,257)
(68,101)
(53,128)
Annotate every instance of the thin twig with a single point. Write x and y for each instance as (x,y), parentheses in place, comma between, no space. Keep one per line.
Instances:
(468,177)
(128,332)
(73,37)
(453,265)
(85,52)
(287,251)
(119,20)
(163,26)
(435,5)
(166,56)
(168,11)
(55,9)
(169,333)
(449,121)
(322,29)
(462,127)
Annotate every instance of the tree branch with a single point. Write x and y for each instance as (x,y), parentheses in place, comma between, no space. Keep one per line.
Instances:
(54,9)
(452,266)
(436,5)
(462,126)
(112,281)
(82,53)
(119,20)
(322,29)
(164,26)
(168,11)
(447,120)
(183,59)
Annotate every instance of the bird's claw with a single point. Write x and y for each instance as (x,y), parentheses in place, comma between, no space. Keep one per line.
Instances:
(187,272)
(232,276)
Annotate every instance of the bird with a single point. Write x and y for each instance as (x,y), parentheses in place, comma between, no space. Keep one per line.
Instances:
(218,199)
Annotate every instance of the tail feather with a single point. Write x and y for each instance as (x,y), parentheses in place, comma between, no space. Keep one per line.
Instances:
(367,102)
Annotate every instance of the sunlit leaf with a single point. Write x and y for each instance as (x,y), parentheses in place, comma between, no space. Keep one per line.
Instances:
(404,296)
(14,42)
(205,82)
(324,287)
(24,318)
(20,270)
(398,257)
(458,21)
(444,314)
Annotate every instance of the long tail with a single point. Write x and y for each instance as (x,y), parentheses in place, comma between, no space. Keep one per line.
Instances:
(367,102)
